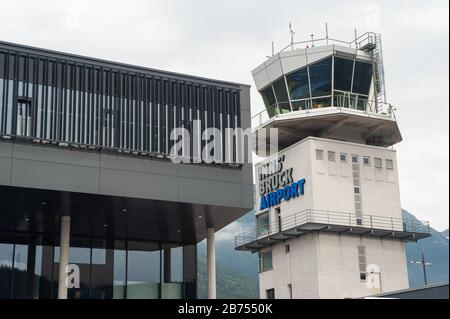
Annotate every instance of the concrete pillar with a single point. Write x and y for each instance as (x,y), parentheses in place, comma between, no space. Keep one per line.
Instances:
(211,256)
(63,256)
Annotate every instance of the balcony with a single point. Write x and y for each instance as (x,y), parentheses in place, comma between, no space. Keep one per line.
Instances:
(312,220)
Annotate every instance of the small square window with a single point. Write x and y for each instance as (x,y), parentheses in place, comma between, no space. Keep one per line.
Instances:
(343,157)
(389,164)
(366,160)
(362,276)
(331,156)
(355,159)
(356,190)
(319,155)
(270,293)
(378,163)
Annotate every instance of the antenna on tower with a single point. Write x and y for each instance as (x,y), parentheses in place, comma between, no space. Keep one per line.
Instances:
(326,31)
(292,35)
(312,40)
(273,49)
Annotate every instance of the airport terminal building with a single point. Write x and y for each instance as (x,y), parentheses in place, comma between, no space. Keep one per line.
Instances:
(86,178)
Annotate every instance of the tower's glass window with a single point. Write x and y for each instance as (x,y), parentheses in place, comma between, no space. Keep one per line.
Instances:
(298,84)
(279,87)
(268,96)
(362,78)
(343,72)
(320,76)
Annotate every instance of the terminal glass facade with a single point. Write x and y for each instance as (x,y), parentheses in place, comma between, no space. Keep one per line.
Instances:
(116,269)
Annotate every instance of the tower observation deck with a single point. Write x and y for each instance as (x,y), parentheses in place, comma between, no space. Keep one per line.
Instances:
(327,88)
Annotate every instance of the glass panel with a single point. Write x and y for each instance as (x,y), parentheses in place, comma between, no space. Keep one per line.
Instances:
(119,283)
(301,105)
(320,103)
(20,279)
(144,271)
(6,253)
(298,84)
(262,224)
(362,104)
(320,75)
(279,87)
(171,290)
(98,256)
(362,78)
(176,264)
(341,99)
(343,72)
(267,260)
(284,107)
(37,271)
(79,255)
(172,285)
(273,110)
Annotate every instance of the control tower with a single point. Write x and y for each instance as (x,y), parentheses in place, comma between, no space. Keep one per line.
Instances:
(329,222)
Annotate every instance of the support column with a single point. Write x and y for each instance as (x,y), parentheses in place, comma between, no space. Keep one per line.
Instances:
(211,256)
(63,256)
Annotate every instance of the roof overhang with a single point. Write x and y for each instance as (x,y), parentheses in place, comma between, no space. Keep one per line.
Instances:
(332,122)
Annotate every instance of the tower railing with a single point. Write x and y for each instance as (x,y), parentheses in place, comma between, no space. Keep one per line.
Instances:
(368,106)
(366,40)
(289,223)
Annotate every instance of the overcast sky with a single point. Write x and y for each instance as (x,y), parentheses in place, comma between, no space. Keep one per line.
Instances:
(227,39)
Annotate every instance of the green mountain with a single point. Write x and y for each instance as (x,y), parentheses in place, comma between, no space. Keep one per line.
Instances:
(435,249)
(237,271)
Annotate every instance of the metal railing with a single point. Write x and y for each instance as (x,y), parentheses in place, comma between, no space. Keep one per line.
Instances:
(368,38)
(368,106)
(324,217)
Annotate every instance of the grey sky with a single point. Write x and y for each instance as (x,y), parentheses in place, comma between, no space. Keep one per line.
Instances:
(226,39)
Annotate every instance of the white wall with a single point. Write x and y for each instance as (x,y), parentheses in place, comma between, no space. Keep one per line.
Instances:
(325,265)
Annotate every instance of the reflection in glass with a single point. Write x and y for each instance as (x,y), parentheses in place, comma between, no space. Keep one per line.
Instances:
(176,264)
(144,269)
(301,105)
(119,280)
(343,72)
(6,253)
(172,285)
(320,75)
(320,103)
(362,78)
(298,84)
(98,256)
(265,260)
(19,273)
(262,224)
(279,87)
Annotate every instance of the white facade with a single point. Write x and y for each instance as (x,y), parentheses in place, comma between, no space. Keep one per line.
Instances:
(329,222)
(326,264)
